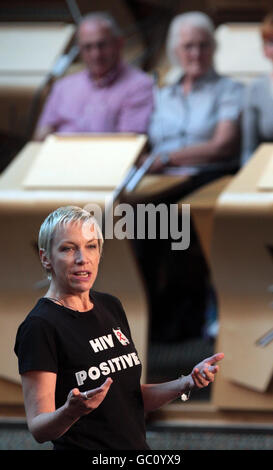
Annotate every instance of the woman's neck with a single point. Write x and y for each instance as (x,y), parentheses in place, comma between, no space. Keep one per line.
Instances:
(189,80)
(188,83)
(80,302)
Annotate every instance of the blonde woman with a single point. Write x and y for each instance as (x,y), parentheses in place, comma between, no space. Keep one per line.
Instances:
(79,366)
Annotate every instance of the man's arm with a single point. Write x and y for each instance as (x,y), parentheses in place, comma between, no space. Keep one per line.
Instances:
(49,119)
(41,132)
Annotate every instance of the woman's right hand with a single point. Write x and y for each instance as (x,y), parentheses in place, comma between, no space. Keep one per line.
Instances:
(78,405)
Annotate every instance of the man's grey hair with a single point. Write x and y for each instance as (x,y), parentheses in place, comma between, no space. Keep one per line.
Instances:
(194,19)
(105,18)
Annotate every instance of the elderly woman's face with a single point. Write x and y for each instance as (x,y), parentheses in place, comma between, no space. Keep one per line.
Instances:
(195,51)
(75,257)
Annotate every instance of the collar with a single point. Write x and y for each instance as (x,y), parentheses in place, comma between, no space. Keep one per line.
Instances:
(207,77)
(70,311)
(109,78)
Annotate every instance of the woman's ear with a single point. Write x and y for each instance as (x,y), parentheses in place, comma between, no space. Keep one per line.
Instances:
(44,260)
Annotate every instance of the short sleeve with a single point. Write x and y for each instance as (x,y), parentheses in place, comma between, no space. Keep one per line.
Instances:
(230,100)
(35,346)
(137,108)
(122,314)
(115,307)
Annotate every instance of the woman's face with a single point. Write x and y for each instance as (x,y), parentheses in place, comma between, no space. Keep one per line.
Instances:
(268,48)
(75,257)
(195,51)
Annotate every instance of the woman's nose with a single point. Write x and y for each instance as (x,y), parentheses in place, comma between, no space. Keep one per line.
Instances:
(196,52)
(80,257)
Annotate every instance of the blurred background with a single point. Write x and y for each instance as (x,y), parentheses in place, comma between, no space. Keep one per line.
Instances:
(37,47)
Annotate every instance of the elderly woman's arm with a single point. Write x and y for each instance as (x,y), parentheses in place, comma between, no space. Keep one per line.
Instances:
(157,395)
(44,421)
(224,144)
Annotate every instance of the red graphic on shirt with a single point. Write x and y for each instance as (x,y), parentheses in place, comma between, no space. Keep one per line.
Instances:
(121,337)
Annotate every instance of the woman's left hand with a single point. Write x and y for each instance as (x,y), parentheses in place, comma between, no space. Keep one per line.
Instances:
(204,372)
(157,166)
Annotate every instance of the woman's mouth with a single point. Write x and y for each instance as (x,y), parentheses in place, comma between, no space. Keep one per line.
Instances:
(86,275)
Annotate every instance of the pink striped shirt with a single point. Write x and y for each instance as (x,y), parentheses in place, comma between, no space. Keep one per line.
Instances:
(121,102)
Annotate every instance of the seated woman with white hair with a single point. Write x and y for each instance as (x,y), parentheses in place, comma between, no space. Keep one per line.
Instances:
(195,124)
(194,131)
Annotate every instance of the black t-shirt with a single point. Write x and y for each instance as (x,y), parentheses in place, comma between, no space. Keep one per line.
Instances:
(83,349)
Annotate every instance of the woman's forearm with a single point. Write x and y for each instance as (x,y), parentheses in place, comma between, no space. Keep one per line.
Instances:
(224,144)
(208,152)
(157,395)
(44,421)
(50,426)
(202,374)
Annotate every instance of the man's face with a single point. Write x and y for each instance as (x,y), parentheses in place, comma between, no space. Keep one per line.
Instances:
(100,50)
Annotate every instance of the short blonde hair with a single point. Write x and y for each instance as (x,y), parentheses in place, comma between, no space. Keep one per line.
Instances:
(61,216)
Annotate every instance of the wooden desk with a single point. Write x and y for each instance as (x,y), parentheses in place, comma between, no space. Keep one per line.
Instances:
(242,268)
(28,53)
(233,218)
(232,58)
(202,203)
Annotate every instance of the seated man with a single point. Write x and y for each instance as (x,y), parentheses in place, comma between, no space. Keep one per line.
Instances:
(107,96)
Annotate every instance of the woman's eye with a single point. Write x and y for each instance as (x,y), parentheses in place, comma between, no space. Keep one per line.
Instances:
(92,246)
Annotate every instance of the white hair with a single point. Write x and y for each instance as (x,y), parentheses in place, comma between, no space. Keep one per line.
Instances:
(195,19)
